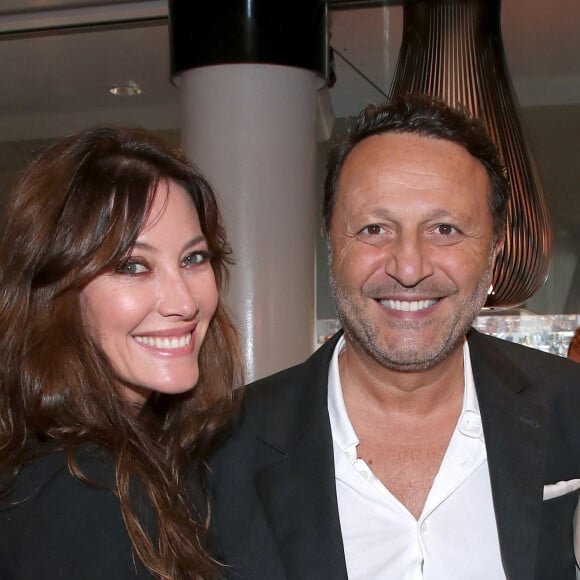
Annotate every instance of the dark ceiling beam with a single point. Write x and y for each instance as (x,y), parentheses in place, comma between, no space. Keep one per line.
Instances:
(82,18)
(353,4)
(116,15)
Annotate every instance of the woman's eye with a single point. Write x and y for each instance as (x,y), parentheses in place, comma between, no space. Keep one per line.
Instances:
(196,258)
(131,268)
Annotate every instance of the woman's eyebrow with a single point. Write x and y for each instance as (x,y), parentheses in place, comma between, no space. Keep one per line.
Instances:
(193,242)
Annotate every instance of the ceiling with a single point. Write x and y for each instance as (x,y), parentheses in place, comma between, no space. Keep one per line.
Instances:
(60,57)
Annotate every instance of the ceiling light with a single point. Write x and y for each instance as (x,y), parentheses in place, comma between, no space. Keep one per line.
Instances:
(127,89)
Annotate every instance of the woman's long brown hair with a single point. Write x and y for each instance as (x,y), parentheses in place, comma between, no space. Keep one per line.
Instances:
(76,213)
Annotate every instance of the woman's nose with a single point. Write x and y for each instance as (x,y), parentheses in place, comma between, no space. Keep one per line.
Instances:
(176,296)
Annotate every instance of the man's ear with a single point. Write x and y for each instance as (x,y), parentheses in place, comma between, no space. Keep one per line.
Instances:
(498,245)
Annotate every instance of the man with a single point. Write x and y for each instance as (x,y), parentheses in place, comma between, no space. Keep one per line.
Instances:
(411,446)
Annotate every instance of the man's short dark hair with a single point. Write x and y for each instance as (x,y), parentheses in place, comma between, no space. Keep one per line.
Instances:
(428,117)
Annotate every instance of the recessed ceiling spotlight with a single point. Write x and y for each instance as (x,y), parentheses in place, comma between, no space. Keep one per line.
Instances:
(128,89)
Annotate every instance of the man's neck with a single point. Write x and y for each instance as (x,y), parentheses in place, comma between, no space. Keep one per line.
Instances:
(365,381)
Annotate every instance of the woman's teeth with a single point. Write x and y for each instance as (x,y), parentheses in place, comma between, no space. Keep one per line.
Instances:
(164,342)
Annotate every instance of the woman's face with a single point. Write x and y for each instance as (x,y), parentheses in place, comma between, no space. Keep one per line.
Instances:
(151,315)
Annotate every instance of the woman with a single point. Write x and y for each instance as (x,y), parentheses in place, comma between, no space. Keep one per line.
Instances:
(119,363)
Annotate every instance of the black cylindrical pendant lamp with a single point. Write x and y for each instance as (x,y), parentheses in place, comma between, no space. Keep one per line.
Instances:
(248,31)
(248,73)
(453,49)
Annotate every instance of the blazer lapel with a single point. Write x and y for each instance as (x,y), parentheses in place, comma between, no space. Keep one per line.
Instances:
(298,490)
(514,429)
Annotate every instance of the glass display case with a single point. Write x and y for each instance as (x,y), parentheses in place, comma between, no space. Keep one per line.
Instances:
(547,332)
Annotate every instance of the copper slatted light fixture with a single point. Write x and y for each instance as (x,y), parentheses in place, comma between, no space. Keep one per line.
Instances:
(453,49)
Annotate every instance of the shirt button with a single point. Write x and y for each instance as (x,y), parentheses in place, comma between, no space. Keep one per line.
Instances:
(466,463)
(424,526)
(470,424)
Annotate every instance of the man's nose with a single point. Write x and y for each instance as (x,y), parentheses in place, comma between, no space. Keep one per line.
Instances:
(409,260)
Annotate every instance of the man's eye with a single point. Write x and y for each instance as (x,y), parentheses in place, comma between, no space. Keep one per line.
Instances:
(445,229)
(372,230)
(196,258)
(131,268)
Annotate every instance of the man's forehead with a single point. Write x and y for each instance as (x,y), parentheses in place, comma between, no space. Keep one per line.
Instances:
(410,155)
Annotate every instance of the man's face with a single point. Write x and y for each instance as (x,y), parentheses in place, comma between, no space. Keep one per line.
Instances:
(412,248)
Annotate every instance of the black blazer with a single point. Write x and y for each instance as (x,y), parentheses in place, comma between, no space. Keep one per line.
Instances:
(53,527)
(275,513)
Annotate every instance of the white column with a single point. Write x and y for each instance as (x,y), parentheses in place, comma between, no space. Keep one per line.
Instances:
(251,130)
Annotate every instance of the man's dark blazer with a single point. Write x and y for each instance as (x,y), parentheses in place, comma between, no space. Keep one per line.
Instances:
(275,513)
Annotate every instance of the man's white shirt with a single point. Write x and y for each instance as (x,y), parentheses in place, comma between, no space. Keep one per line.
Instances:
(455,537)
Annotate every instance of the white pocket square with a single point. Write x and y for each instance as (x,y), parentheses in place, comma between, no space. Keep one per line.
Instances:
(561,488)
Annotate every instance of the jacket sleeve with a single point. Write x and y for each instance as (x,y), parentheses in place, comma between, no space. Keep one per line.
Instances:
(68,531)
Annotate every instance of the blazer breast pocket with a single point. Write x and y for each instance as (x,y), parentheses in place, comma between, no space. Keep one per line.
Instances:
(556,559)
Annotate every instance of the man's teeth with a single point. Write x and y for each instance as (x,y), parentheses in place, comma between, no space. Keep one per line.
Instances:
(408,305)
(165,342)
